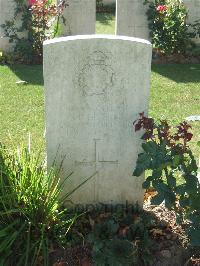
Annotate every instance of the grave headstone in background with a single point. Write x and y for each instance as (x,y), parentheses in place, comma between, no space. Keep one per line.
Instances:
(95,86)
(6,13)
(193,7)
(80,17)
(131,19)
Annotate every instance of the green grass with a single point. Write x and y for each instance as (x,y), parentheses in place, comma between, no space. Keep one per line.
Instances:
(21,106)
(175,94)
(105,23)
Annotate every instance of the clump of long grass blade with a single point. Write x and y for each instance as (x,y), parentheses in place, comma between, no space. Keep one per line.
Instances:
(32,219)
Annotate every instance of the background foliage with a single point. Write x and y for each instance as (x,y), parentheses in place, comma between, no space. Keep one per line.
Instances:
(167,24)
(33,23)
(167,155)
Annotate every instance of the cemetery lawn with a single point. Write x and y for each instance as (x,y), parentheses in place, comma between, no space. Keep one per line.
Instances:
(21,106)
(175,95)
(105,23)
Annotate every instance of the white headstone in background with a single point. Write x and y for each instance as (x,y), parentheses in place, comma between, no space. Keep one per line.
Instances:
(6,13)
(95,86)
(193,7)
(80,17)
(109,2)
(132,19)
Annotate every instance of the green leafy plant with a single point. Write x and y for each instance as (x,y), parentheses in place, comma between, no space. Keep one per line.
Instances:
(167,24)
(6,58)
(167,154)
(121,240)
(99,3)
(32,217)
(39,22)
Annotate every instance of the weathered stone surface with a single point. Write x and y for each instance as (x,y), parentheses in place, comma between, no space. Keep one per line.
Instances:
(6,13)
(109,2)
(80,17)
(132,19)
(95,86)
(193,7)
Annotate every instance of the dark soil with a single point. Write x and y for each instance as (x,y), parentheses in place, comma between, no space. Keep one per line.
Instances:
(171,246)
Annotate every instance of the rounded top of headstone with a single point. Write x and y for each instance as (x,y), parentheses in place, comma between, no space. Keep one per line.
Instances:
(96,36)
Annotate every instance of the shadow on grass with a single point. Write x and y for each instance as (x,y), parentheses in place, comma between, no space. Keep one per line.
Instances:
(185,73)
(104,18)
(180,73)
(32,74)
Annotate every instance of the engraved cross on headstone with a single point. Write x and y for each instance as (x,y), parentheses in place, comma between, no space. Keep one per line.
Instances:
(96,162)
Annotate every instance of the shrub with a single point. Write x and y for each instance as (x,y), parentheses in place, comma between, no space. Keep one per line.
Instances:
(167,24)
(167,154)
(32,220)
(40,21)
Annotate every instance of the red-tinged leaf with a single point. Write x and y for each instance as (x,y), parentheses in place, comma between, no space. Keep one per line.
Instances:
(138,127)
(189,136)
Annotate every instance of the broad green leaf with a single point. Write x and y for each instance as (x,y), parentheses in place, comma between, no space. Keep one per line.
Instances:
(176,160)
(162,187)
(156,173)
(191,183)
(194,234)
(171,180)
(146,184)
(181,189)
(142,164)
(138,171)
(150,147)
(195,201)
(184,202)
(157,200)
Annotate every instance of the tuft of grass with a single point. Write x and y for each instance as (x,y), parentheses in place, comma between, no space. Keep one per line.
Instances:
(32,220)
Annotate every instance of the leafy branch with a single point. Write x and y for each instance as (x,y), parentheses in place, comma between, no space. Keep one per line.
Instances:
(167,154)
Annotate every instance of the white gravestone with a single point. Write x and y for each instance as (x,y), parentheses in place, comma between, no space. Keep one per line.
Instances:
(80,17)
(6,13)
(132,19)
(95,86)
(193,8)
